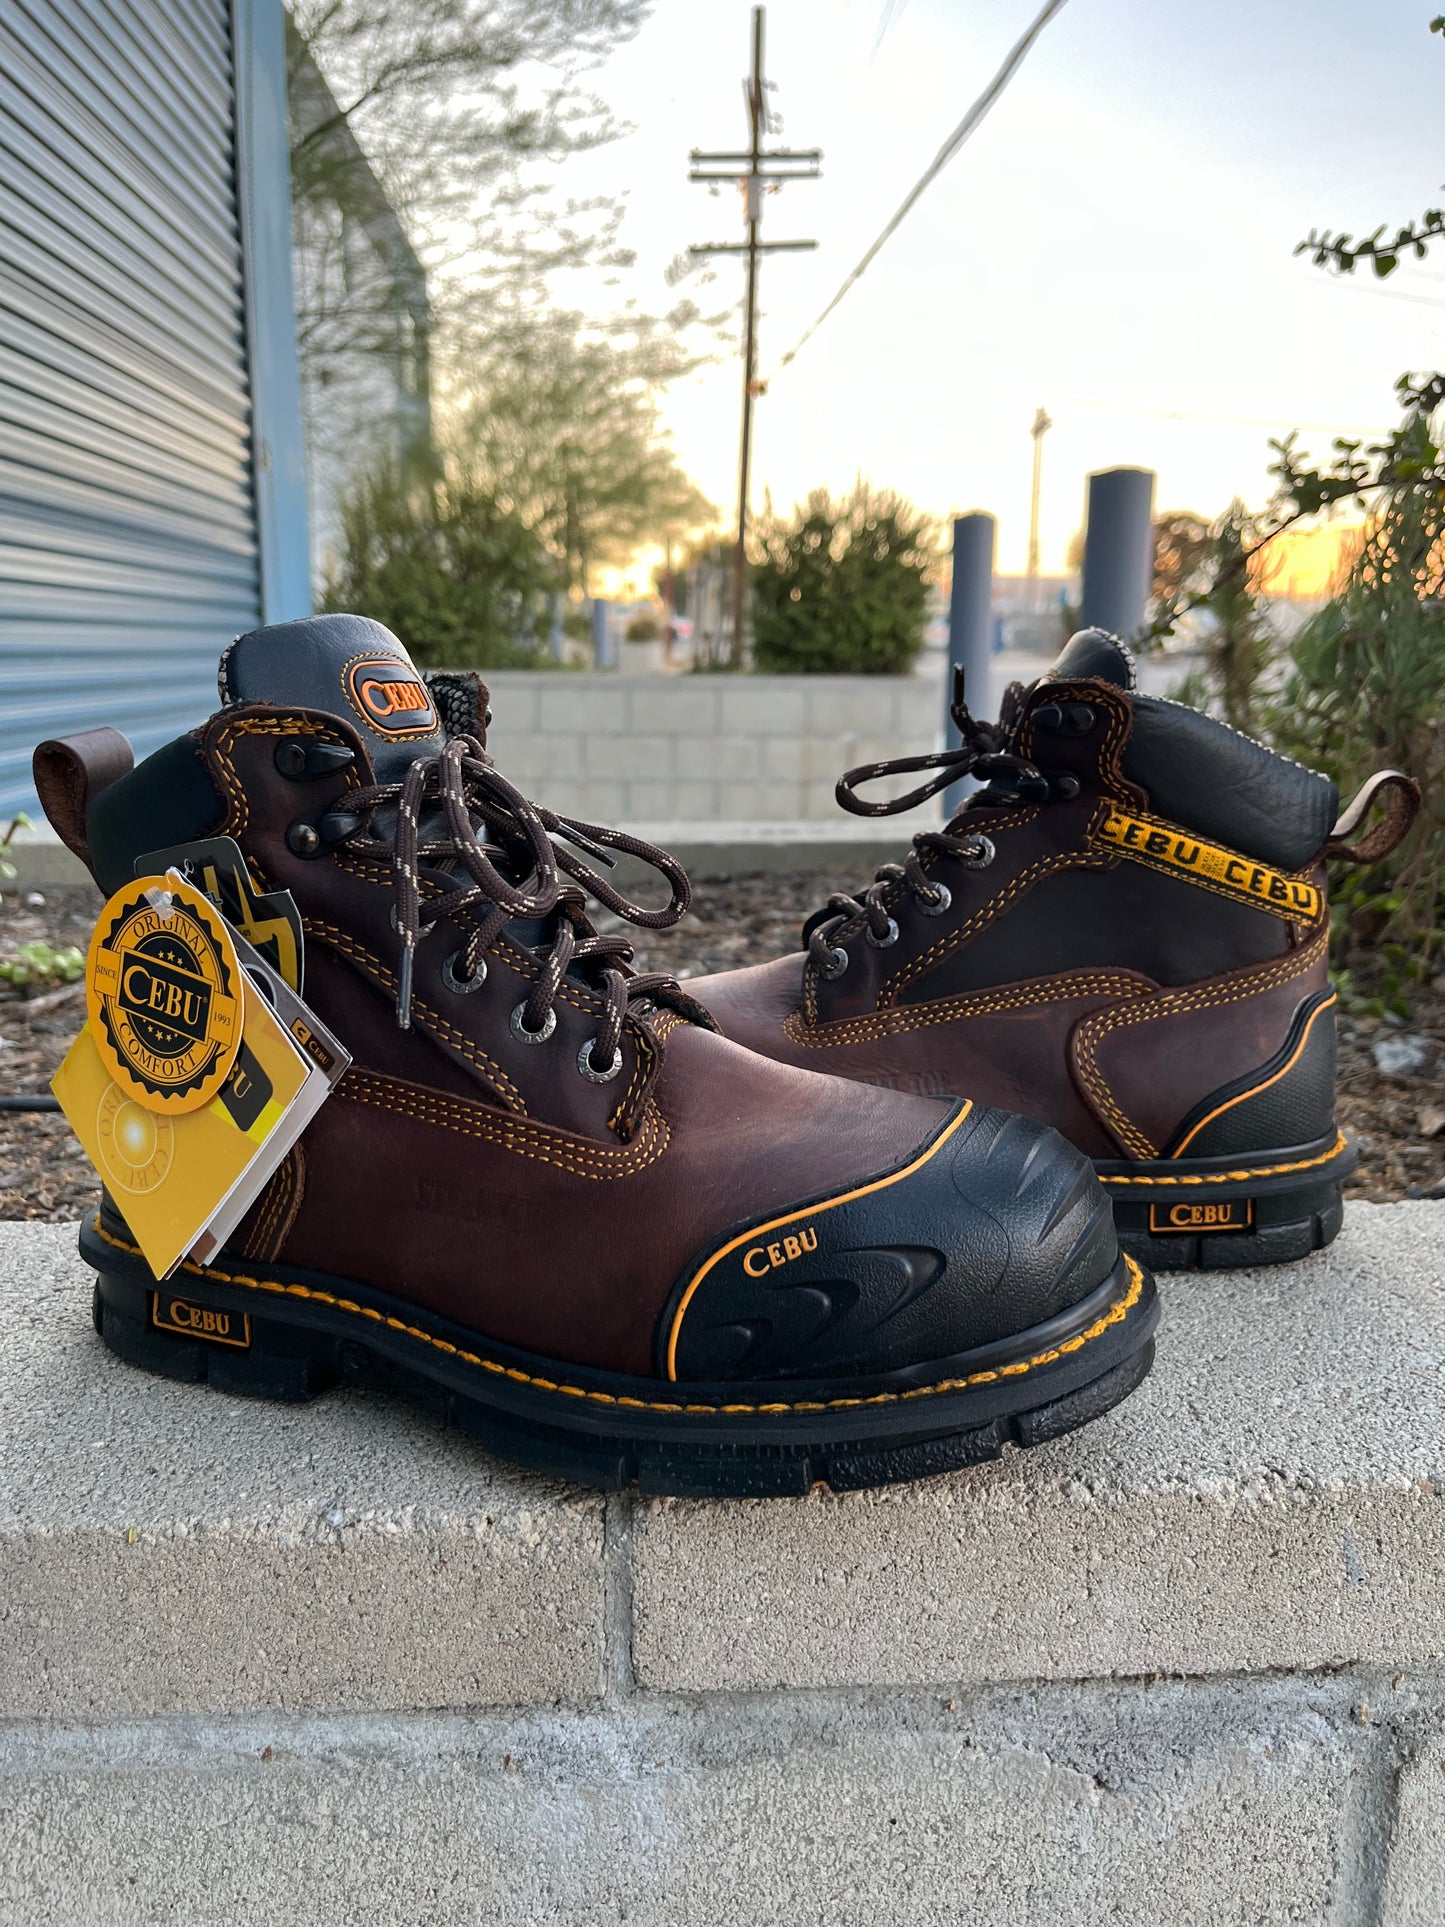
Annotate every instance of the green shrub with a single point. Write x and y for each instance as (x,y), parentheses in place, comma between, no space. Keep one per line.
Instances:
(464,584)
(1366,691)
(643,627)
(841,587)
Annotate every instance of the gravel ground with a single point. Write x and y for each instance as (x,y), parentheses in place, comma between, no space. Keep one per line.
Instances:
(1399,1118)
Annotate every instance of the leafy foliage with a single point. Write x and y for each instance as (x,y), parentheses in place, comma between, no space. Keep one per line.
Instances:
(565,433)
(463,582)
(1342,252)
(456,105)
(7,837)
(1238,643)
(1367,692)
(841,586)
(39,966)
(1182,554)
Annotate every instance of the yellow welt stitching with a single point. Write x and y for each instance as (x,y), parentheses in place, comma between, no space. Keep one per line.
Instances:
(1115,1315)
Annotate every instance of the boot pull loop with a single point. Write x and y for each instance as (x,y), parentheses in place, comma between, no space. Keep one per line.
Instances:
(1402,800)
(70,772)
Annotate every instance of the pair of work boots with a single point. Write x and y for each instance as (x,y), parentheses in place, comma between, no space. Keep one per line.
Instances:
(621,1229)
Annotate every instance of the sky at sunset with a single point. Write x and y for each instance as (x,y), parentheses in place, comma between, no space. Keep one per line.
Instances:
(1114,244)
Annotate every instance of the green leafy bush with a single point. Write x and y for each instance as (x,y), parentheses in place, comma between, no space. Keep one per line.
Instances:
(1366,691)
(841,586)
(38,966)
(463,583)
(643,627)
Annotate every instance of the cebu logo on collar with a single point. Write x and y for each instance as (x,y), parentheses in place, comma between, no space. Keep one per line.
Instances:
(390,696)
(163,991)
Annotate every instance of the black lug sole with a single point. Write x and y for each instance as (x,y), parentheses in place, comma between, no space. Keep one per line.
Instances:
(1214,1214)
(282,1333)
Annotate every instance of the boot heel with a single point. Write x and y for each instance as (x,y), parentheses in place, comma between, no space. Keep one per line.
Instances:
(1221,1213)
(182,1335)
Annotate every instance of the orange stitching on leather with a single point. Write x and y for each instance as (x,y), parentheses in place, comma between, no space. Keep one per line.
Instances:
(1255,1089)
(258,1245)
(1016,820)
(541,1143)
(1117,1313)
(1033,873)
(899,1019)
(288,723)
(758,1231)
(1341,1143)
(359,954)
(1232,990)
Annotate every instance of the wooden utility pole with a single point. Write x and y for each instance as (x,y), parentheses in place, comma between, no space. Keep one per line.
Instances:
(762,167)
(1041,427)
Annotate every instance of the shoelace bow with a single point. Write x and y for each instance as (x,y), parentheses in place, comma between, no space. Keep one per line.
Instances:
(982,752)
(463,780)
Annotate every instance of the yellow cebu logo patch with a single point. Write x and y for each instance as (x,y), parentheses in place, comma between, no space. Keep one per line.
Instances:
(182,1315)
(1235,1214)
(163,992)
(1178,854)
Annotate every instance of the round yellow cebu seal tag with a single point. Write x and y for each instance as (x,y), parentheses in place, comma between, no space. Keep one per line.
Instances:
(163,989)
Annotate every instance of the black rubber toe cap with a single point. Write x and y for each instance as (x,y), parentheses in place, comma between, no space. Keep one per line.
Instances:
(992,1228)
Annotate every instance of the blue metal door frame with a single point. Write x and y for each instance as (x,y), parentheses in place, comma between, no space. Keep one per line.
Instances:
(263,191)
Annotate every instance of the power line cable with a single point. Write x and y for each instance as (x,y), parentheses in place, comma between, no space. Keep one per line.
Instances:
(945,154)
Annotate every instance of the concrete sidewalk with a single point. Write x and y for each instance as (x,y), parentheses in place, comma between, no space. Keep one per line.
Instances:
(333,1664)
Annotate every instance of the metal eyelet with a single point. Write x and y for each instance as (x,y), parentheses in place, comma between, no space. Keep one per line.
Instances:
(584,1064)
(525,1036)
(939,904)
(985,854)
(463,986)
(890,936)
(837,966)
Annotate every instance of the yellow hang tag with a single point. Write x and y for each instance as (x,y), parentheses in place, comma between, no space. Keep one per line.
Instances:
(163,989)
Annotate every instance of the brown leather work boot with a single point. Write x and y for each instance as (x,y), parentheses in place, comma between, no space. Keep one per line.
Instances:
(1124,935)
(611,1243)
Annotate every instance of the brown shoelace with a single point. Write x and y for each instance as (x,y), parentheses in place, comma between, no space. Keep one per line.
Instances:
(469,790)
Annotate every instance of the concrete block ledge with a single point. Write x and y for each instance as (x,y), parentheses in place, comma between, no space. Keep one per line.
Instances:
(1187,1665)
(842,846)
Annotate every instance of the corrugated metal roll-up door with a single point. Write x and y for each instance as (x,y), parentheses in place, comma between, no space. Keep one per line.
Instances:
(128,532)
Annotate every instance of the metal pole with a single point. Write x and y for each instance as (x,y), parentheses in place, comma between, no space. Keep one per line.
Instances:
(1041,427)
(753,188)
(970,623)
(1118,550)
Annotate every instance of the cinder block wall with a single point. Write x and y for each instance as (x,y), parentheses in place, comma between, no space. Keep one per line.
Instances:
(694,749)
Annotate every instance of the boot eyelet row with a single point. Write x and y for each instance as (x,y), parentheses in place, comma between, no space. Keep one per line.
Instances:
(985,855)
(463,986)
(838,965)
(938,904)
(889,937)
(588,1070)
(525,1036)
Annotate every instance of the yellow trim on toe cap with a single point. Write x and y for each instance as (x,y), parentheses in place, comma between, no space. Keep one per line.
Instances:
(1115,1315)
(757,1231)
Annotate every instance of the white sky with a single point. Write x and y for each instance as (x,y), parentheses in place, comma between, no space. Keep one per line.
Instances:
(1115,243)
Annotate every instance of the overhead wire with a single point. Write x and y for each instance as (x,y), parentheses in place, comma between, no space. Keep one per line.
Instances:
(945,154)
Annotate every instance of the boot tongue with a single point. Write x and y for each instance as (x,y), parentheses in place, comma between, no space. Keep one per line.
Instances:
(350,667)
(1093,653)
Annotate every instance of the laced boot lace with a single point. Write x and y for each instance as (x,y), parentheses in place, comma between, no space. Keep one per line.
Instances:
(981,753)
(448,796)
